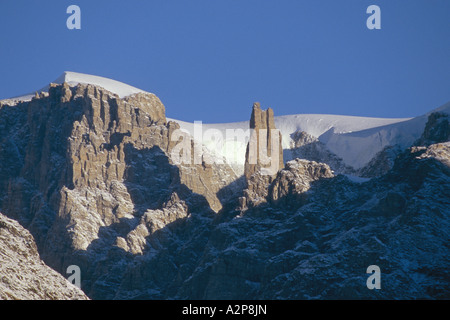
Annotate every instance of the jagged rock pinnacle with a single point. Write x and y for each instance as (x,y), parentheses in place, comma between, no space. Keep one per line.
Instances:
(263,136)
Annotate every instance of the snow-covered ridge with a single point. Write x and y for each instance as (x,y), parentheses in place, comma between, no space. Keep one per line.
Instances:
(356,140)
(117,87)
(75,78)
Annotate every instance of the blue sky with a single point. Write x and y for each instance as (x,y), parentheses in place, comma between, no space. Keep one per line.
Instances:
(210,60)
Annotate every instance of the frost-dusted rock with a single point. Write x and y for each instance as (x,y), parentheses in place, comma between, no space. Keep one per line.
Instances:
(436,130)
(89,174)
(81,166)
(262,143)
(319,247)
(381,163)
(23,275)
(308,147)
(297,177)
(262,123)
(138,240)
(438,151)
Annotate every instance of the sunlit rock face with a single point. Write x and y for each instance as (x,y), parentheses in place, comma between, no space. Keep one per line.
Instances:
(90,174)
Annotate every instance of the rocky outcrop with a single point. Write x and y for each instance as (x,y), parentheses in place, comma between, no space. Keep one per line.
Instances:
(263,158)
(437,129)
(295,179)
(92,176)
(319,246)
(264,151)
(306,146)
(438,151)
(381,163)
(23,275)
(82,168)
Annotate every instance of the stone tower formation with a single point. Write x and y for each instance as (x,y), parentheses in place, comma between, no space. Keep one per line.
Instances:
(264,151)
(263,157)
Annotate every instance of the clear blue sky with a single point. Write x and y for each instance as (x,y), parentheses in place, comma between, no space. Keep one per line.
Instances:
(210,60)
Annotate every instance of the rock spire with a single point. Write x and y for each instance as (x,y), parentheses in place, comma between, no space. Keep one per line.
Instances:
(264,151)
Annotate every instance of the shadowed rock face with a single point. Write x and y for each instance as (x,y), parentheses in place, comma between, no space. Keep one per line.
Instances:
(80,162)
(305,146)
(91,177)
(23,275)
(316,234)
(436,130)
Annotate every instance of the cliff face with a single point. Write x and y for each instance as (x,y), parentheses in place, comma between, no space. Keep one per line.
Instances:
(81,168)
(316,234)
(93,178)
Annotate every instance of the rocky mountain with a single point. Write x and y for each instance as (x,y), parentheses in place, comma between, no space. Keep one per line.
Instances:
(101,179)
(23,275)
(306,146)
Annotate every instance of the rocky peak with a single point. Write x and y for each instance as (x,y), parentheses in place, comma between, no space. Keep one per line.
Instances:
(296,178)
(81,167)
(265,142)
(306,146)
(89,173)
(302,138)
(264,156)
(436,130)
